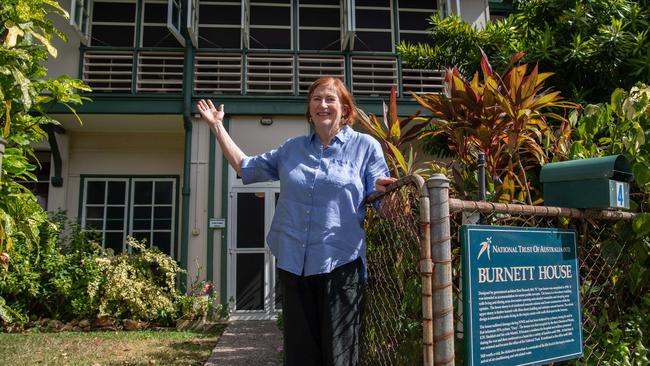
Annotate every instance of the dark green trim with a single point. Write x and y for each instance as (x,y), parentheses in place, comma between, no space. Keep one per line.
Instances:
(296,105)
(187,155)
(80,69)
(238,50)
(56,180)
(125,104)
(209,272)
(235,105)
(295,45)
(397,38)
(80,202)
(347,64)
(138,26)
(223,284)
(244,71)
(137,176)
(136,49)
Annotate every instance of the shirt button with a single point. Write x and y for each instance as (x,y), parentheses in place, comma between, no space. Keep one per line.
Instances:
(308,212)
(305,229)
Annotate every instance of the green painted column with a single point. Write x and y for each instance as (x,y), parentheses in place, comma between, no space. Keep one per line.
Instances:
(223,285)
(187,154)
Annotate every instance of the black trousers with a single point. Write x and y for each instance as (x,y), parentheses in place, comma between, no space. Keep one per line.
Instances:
(322,316)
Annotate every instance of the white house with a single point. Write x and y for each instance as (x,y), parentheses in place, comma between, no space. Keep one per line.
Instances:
(142,164)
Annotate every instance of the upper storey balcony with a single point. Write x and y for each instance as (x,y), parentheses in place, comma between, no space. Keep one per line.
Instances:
(253,74)
(250,47)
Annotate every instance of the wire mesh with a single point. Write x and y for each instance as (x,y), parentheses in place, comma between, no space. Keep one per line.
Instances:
(606,274)
(391,330)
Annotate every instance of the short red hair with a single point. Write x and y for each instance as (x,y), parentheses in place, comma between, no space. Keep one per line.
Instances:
(344,96)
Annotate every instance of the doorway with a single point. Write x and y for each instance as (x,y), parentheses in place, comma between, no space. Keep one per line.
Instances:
(252,290)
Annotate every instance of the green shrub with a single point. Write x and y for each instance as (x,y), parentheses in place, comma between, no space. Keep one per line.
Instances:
(140,285)
(41,277)
(66,275)
(622,339)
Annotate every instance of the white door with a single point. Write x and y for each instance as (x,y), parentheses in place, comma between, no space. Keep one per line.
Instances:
(252,293)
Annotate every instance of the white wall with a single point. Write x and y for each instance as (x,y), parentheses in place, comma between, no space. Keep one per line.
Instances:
(67,61)
(253,138)
(198,211)
(119,153)
(475,12)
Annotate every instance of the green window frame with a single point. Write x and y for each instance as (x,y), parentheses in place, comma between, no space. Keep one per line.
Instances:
(174,13)
(104,27)
(80,19)
(144,207)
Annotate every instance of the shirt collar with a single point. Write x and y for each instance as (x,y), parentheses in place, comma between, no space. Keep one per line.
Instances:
(343,135)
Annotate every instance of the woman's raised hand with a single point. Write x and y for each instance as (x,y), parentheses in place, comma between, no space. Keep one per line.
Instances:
(213,116)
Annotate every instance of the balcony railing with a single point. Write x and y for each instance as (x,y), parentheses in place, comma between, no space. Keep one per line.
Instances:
(160,72)
(139,72)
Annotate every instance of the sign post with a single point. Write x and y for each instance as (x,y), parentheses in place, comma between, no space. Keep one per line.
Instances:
(521,295)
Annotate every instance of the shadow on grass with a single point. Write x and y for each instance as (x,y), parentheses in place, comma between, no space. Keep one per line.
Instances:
(181,352)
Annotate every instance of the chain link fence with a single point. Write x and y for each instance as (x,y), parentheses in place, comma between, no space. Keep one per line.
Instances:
(402,309)
(392,326)
(605,262)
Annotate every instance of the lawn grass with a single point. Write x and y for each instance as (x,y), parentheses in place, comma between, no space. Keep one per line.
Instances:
(108,348)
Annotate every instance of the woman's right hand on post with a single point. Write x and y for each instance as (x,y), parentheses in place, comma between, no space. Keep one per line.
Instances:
(213,116)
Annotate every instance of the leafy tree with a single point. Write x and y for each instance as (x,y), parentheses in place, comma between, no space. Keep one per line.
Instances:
(622,126)
(593,47)
(25,93)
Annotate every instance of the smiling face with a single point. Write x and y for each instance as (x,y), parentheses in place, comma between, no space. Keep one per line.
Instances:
(325,108)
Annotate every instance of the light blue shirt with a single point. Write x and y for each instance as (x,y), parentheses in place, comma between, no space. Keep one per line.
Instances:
(318,219)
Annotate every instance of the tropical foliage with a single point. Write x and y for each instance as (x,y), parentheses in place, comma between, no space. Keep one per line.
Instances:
(593,46)
(622,127)
(25,94)
(506,118)
(396,136)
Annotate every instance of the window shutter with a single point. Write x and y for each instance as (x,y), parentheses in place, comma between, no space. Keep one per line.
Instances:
(174,19)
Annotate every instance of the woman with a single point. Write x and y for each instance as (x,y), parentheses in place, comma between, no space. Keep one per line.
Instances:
(316,234)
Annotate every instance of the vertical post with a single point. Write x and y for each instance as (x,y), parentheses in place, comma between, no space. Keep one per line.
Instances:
(426,270)
(443,308)
(481,183)
(481,176)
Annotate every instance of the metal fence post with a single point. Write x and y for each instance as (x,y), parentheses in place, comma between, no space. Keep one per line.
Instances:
(426,270)
(443,308)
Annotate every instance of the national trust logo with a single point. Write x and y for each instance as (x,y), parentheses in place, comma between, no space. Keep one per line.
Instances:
(485,248)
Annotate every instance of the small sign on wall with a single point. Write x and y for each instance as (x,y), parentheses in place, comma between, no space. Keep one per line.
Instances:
(215,223)
(521,291)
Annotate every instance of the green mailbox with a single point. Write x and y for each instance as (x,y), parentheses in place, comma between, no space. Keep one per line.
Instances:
(588,183)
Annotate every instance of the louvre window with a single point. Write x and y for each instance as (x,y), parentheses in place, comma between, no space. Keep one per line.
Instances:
(113,23)
(154,26)
(270,24)
(413,19)
(319,25)
(220,24)
(374,26)
(79,18)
